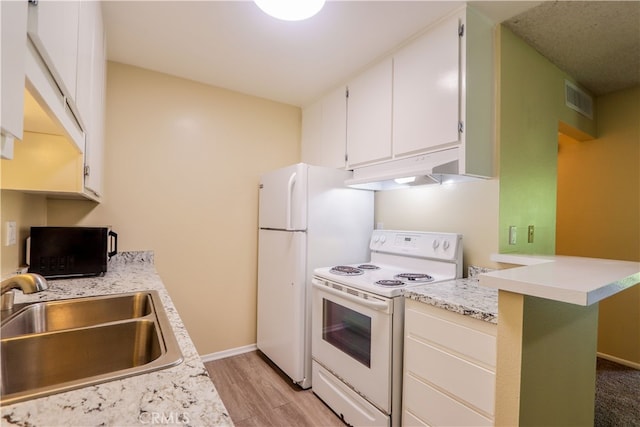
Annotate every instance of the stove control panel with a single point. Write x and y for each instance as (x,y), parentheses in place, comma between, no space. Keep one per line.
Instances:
(421,244)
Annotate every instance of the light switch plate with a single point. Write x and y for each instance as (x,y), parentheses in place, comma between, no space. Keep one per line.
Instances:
(10,233)
(512,235)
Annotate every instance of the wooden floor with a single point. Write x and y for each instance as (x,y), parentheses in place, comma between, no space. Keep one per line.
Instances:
(256,393)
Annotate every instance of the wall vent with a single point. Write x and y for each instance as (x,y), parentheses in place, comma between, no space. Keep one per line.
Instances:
(578,100)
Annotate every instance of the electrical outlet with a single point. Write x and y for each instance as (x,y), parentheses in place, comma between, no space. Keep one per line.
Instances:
(10,233)
(530,234)
(512,235)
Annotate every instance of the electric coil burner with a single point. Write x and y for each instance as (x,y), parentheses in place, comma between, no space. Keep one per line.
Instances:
(388,282)
(357,318)
(368,267)
(346,270)
(415,277)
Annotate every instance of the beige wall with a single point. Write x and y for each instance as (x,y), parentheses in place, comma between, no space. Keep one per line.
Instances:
(26,210)
(182,166)
(470,208)
(599,211)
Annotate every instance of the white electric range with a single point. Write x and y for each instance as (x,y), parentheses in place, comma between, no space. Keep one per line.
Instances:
(358,321)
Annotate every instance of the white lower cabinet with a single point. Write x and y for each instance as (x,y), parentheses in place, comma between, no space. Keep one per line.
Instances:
(449,368)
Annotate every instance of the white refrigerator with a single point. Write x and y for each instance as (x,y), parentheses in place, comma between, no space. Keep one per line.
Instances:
(307,219)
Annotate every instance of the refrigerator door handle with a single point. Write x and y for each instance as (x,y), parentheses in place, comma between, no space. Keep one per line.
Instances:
(290,184)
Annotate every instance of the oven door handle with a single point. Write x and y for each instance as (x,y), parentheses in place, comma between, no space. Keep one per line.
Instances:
(376,305)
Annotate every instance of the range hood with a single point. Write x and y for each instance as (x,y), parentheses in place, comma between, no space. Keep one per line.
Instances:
(439,167)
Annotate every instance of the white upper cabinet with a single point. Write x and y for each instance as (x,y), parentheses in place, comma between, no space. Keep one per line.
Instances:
(443,92)
(324,130)
(432,95)
(369,115)
(436,93)
(84,64)
(13,39)
(426,88)
(63,46)
(90,98)
(477,98)
(53,28)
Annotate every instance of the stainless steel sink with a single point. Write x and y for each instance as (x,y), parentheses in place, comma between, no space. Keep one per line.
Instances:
(51,347)
(76,313)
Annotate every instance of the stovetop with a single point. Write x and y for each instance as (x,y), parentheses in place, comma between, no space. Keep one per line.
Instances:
(367,280)
(436,255)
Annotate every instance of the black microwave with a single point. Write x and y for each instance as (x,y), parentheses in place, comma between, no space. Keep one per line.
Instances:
(57,252)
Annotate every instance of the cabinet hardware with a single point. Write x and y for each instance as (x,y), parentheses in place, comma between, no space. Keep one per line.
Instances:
(461,30)
(87,170)
(33,2)
(460,127)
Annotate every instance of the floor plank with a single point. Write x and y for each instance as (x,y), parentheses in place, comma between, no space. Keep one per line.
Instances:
(257,393)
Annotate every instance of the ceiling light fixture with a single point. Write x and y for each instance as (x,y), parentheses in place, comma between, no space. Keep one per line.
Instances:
(290,10)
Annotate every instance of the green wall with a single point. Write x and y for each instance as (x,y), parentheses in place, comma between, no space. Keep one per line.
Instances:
(531,108)
(531,111)
(557,387)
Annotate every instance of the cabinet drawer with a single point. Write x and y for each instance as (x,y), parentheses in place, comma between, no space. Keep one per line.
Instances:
(471,383)
(470,338)
(410,420)
(424,405)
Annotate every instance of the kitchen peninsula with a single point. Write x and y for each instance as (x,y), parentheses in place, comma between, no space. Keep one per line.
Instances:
(548,311)
(180,395)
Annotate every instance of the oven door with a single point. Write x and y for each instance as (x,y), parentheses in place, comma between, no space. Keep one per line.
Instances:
(351,337)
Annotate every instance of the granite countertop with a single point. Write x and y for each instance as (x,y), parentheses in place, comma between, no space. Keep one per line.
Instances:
(463,296)
(181,395)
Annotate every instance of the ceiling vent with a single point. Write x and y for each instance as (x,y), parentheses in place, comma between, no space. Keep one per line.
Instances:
(577,99)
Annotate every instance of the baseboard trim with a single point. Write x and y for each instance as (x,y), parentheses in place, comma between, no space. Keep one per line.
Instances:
(624,362)
(228,353)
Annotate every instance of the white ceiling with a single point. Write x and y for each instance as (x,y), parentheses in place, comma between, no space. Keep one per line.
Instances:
(234,45)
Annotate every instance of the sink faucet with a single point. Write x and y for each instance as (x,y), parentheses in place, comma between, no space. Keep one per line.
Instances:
(28,283)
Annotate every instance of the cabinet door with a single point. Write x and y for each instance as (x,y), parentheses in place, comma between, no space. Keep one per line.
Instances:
(84,72)
(334,128)
(369,116)
(311,146)
(13,49)
(426,91)
(90,94)
(324,130)
(53,28)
